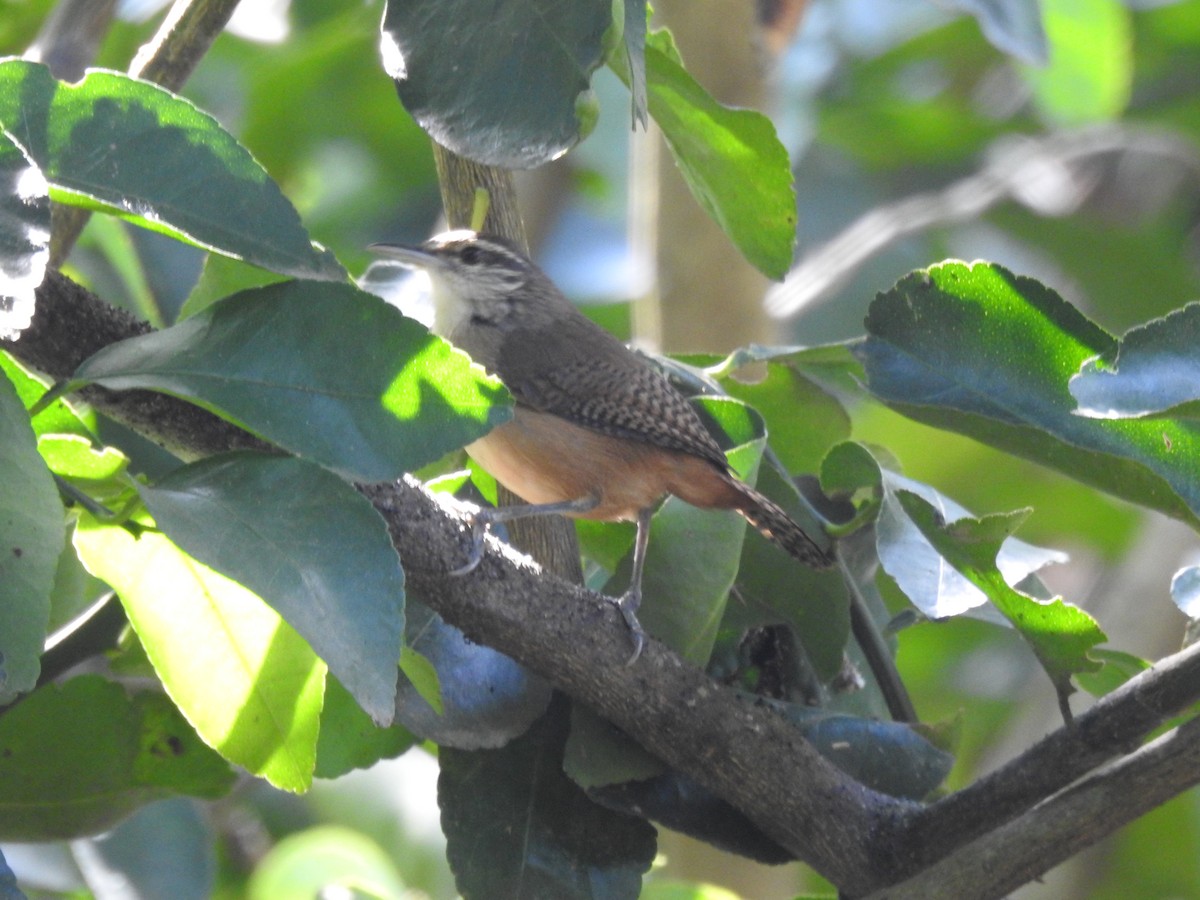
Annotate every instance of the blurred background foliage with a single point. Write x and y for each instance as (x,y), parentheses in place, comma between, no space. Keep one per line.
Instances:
(913,139)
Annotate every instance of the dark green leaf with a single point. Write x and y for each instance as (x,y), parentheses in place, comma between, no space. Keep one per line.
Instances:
(1155,367)
(487,699)
(32,534)
(309,545)
(349,739)
(517,827)
(1059,634)
(681,804)
(890,757)
(501,85)
(774,588)
(731,159)
(24,236)
(324,370)
(599,754)
(130,148)
(77,757)
(976,349)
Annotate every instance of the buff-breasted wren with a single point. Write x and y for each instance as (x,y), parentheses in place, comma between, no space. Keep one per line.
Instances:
(597,432)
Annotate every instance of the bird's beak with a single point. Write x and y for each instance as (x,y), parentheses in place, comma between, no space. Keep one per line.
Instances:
(411,257)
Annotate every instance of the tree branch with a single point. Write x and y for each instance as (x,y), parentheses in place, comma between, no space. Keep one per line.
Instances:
(1116,724)
(1055,830)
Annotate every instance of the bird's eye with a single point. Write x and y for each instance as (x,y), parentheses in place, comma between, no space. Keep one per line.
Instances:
(470,254)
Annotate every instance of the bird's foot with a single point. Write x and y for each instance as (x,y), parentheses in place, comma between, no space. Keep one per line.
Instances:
(480,523)
(627,604)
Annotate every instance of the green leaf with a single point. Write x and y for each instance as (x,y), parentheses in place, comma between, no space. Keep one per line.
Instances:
(422,675)
(1117,668)
(118,145)
(1090,74)
(978,350)
(77,757)
(24,236)
(1059,634)
(59,417)
(250,686)
(598,754)
(803,420)
(1154,367)
(731,159)
(772,588)
(349,739)
(100,472)
(502,84)
(178,828)
(516,826)
(326,371)
(309,545)
(326,861)
(32,534)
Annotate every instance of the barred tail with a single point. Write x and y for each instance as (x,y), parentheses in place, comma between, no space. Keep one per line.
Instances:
(777,526)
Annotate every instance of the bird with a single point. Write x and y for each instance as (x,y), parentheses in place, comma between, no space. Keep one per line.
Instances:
(597,431)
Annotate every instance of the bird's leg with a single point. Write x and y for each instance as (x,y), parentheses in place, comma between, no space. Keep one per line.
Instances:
(629,602)
(485,518)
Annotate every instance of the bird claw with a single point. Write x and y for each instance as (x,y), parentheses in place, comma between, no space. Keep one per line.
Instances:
(627,604)
(480,523)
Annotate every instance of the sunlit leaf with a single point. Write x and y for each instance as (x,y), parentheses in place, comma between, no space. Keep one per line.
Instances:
(976,349)
(250,686)
(309,545)
(731,159)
